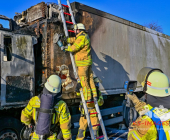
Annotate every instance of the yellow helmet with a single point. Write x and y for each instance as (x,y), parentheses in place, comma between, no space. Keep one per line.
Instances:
(53,84)
(79,26)
(154,82)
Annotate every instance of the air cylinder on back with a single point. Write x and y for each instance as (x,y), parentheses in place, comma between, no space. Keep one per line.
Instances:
(44,116)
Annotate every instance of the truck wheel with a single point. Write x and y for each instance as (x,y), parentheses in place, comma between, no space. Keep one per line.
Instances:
(130,115)
(10,128)
(8,135)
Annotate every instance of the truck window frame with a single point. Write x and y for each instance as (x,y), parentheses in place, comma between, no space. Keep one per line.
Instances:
(7,35)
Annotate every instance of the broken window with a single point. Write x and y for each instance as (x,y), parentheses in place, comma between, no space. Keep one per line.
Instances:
(4,24)
(7,48)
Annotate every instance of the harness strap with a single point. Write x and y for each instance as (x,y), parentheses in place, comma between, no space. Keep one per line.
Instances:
(49,111)
(82,34)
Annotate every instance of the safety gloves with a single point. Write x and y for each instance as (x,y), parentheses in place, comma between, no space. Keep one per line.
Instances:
(67,48)
(133,98)
(100,101)
(139,105)
(68,40)
(78,87)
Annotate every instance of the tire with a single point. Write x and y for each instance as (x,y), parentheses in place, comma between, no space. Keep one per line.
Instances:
(128,120)
(126,114)
(10,128)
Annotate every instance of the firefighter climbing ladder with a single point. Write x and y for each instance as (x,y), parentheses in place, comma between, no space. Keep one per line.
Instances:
(76,75)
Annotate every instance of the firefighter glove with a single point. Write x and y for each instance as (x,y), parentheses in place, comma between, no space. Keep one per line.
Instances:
(133,98)
(68,40)
(67,48)
(78,87)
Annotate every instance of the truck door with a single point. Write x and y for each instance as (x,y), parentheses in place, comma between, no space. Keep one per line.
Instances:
(17,68)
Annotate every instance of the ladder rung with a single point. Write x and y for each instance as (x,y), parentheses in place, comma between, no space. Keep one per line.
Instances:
(71,31)
(67,14)
(100,137)
(69,22)
(65,5)
(90,102)
(96,125)
(93,113)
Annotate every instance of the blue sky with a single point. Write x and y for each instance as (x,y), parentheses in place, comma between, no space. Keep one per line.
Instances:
(138,11)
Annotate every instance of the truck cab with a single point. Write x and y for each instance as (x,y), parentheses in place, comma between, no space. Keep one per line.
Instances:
(17,76)
(17,66)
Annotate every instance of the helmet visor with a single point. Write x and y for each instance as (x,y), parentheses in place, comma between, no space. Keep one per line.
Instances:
(143,73)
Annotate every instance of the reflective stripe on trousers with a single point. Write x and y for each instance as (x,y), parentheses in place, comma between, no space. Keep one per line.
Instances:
(134,135)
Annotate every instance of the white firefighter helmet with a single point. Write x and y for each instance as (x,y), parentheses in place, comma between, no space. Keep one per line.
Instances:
(79,26)
(53,84)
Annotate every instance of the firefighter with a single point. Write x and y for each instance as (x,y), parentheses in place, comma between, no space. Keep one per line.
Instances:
(82,52)
(61,117)
(154,120)
(91,108)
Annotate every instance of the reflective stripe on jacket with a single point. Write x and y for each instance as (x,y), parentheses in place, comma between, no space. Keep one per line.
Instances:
(81,48)
(62,116)
(155,124)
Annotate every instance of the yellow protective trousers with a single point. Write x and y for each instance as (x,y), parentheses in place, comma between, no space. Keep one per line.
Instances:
(86,77)
(83,126)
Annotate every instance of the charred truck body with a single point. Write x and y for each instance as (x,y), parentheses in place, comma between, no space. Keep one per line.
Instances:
(29,55)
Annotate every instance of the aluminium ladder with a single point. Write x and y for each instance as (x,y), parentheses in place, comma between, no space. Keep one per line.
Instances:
(76,75)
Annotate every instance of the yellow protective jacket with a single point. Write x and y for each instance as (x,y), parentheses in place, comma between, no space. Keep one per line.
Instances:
(91,106)
(62,116)
(81,48)
(144,127)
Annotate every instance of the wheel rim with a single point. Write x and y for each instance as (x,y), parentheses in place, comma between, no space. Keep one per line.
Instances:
(10,135)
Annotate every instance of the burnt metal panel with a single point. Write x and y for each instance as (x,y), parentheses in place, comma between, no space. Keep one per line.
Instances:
(18,88)
(36,12)
(20,66)
(57,61)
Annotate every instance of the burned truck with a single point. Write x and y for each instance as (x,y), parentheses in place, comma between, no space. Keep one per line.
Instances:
(29,55)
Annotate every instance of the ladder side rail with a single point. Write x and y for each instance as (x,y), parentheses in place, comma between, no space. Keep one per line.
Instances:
(74,67)
(66,33)
(87,115)
(100,120)
(71,12)
(72,58)
(63,18)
